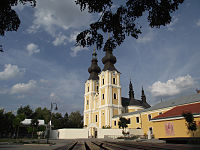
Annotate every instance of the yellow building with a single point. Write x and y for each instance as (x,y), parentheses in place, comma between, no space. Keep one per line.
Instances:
(102,99)
(103,104)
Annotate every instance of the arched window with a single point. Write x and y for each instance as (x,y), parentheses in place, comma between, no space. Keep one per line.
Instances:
(88,88)
(103,82)
(96,118)
(114,96)
(113,80)
(102,96)
(97,88)
(87,102)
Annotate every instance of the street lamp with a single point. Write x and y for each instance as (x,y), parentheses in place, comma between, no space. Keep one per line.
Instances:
(49,124)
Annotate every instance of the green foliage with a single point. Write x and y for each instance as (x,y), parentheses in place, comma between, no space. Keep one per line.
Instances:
(123,123)
(75,120)
(106,127)
(11,124)
(26,110)
(190,123)
(9,20)
(122,20)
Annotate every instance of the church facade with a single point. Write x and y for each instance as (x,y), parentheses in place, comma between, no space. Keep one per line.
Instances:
(102,98)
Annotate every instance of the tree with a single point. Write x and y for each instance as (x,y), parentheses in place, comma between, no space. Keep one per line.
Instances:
(75,120)
(43,114)
(121,21)
(66,120)
(34,124)
(26,110)
(57,121)
(123,124)
(17,122)
(9,20)
(190,123)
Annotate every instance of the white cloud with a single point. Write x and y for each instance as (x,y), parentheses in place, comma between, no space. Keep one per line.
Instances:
(23,87)
(64,14)
(75,50)
(32,48)
(198,23)
(170,27)
(60,40)
(10,71)
(172,86)
(148,37)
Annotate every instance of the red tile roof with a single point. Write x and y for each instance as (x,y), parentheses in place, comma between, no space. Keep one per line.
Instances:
(177,111)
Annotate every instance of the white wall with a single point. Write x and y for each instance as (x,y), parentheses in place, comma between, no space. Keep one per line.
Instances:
(72,133)
(114,133)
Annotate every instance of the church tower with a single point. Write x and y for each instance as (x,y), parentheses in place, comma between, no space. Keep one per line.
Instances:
(91,92)
(109,90)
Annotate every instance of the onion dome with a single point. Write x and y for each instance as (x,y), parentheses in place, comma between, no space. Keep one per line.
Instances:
(109,60)
(94,69)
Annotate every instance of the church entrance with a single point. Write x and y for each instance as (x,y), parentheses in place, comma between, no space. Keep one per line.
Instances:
(93,131)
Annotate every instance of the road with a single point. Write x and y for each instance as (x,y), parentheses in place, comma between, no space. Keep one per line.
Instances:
(99,144)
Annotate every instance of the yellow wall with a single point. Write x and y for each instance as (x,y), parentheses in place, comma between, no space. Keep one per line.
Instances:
(103,100)
(179,127)
(115,111)
(102,118)
(115,101)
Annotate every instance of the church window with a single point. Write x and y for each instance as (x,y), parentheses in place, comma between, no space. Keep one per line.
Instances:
(88,88)
(149,117)
(97,88)
(115,97)
(103,113)
(115,123)
(137,119)
(96,118)
(102,96)
(87,102)
(151,130)
(103,82)
(113,80)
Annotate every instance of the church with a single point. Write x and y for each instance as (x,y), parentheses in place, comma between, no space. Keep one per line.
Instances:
(104,105)
(102,99)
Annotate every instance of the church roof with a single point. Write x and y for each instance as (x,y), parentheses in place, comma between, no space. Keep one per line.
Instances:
(169,103)
(134,102)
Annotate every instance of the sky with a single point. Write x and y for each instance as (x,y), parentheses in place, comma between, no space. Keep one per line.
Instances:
(41,65)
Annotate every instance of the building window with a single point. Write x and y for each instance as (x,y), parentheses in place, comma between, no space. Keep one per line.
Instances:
(137,119)
(160,113)
(113,80)
(96,118)
(103,113)
(88,88)
(87,102)
(102,96)
(97,88)
(151,130)
(115,123)
(114,96)
(149,117)
(129,121)
(103,81)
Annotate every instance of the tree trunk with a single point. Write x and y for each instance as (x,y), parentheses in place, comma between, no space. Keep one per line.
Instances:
(17,132)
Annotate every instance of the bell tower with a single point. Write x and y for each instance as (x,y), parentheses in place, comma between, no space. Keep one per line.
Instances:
(109,90)
(91,90)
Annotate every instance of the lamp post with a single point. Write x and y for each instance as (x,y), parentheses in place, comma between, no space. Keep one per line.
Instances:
(49,124)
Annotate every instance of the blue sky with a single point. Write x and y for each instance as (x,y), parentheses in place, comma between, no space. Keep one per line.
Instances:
(40,64)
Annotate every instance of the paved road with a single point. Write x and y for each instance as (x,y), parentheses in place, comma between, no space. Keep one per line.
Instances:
(100,144)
